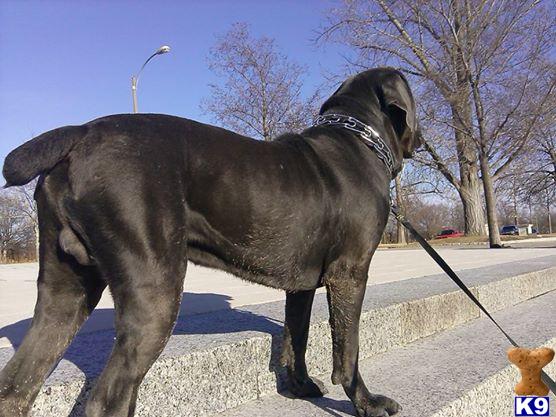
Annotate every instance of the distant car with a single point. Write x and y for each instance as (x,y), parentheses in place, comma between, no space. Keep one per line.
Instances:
(509,230)
(446,233)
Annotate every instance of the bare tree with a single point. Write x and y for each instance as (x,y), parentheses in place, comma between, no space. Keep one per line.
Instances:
(400,203)
(545,145)
(16,230)
(540,170)
(260,93)
(413,183)
(28,208)
(531,179)
(461,52)
(430,226)
(510,99)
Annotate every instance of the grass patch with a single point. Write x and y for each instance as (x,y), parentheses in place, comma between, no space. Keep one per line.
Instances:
(464,240)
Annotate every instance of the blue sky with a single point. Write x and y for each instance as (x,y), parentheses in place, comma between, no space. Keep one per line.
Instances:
(67,62)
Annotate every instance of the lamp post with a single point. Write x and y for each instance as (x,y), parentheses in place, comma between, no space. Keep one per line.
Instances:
(135,78)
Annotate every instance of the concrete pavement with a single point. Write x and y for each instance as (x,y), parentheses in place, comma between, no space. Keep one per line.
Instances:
(210,290)
(219,360)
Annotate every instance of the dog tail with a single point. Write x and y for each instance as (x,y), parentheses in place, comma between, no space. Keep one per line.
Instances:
(40,154)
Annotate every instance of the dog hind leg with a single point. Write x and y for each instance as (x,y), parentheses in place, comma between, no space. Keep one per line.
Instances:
(67,294)
(147,304)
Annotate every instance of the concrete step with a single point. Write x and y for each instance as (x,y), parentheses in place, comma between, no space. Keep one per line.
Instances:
(220,360)
(462,372)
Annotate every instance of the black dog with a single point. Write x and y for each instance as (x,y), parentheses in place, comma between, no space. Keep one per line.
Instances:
(124,201)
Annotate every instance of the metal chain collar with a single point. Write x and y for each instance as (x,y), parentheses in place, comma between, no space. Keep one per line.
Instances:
(366,132)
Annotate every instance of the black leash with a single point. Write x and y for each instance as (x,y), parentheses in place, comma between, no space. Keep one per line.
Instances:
(438,259)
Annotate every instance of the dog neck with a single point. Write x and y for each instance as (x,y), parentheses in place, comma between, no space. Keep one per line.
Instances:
(366,133)
(370,115)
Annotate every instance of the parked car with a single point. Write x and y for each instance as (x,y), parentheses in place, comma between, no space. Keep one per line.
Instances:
(446,233)
(509,230)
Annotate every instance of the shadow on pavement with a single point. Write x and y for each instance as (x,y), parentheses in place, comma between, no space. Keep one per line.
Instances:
(103,318)
(92,346)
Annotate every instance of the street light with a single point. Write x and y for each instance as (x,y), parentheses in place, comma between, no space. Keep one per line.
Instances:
(135,78)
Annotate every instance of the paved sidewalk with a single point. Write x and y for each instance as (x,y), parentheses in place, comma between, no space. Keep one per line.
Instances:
(210,290)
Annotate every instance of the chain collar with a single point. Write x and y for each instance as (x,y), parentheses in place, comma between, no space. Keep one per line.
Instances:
(370,136)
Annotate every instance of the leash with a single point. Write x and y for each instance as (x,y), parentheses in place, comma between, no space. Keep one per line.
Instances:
(449,271)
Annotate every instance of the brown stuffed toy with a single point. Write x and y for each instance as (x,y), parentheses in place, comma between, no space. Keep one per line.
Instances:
(530,363)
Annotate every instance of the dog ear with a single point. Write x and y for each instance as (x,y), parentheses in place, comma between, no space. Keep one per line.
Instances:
(344,85)
(399,106)
(332,99)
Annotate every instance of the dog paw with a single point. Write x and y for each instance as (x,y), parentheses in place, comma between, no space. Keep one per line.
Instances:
(306,388)
(378,406)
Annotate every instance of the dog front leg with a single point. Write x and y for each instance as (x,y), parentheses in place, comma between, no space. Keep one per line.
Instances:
(296,332)
(345,297)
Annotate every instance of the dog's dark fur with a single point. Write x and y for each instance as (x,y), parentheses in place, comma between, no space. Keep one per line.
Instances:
(125,200)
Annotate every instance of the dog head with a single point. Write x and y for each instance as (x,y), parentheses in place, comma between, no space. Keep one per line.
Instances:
(385,90)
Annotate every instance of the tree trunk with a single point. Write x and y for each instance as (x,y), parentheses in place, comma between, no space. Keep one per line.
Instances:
(473,215)
(553,158)
(36,231)
(490,198)
(470,195)
(399,202)
(460,104)
(470,187)
(514,199)
(549,216)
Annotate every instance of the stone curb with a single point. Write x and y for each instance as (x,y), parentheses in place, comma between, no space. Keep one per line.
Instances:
(457,372)
(490,397)
(216,373)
